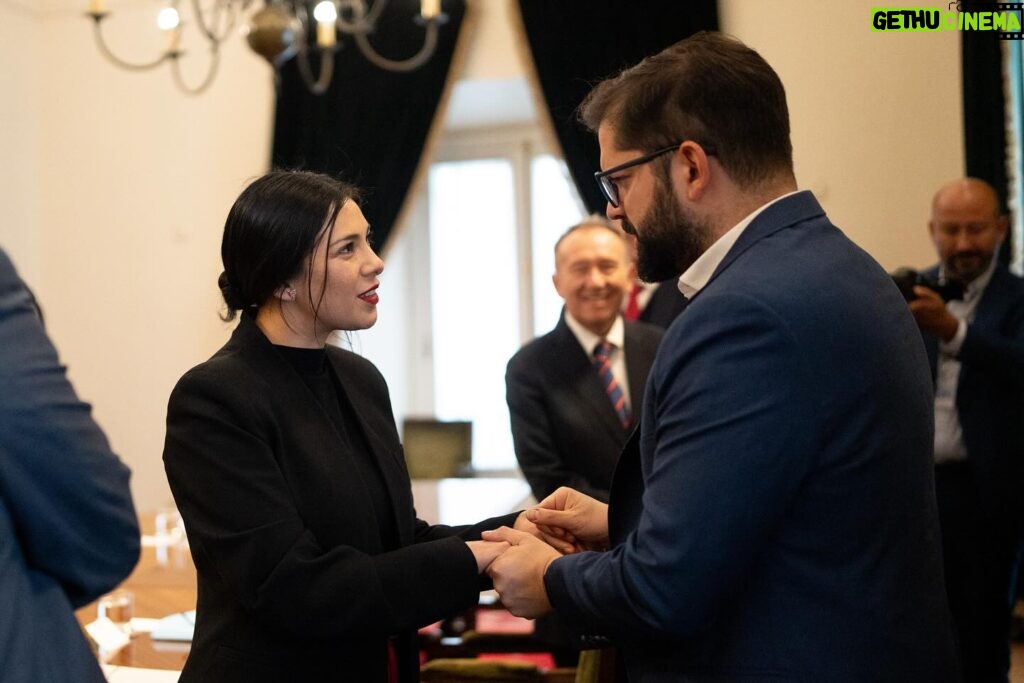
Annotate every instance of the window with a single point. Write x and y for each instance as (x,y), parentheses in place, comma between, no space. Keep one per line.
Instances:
(471,267)
(1014,59)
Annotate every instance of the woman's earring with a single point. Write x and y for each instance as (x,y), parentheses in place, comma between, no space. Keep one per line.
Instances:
(289,294)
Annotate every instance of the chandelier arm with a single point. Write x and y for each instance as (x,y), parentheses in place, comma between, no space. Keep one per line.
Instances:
(362,22)
(371,17)
(205,83)
(318,86)
(218,12)
(414,62)
(108,53)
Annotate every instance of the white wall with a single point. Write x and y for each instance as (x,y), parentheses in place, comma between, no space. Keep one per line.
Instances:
(120,209)
(20,110)
(876,117)
(115,185)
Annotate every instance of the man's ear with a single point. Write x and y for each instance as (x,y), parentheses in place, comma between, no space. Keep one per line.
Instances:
(695,169)
(555,282)
(1002,226)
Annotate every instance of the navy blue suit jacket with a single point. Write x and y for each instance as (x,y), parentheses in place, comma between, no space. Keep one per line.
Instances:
(68,531)
(565,431)
(990,396)
(774,517)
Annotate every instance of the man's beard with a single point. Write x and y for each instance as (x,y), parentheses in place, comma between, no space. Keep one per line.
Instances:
(956,269)
(669,239)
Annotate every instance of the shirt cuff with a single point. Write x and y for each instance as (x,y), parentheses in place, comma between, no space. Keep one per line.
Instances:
(952,347)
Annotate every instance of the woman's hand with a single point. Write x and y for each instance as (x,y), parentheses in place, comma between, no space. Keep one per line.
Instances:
(485,552)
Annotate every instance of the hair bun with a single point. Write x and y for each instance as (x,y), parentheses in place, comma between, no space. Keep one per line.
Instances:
(229,293)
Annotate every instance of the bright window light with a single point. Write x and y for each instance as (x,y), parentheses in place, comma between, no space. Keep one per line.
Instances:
(555,208)
(475,299)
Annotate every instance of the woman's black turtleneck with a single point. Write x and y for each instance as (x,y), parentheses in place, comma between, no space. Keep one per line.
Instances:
(314,369)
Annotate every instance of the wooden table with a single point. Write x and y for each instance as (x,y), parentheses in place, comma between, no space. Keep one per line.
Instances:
(160,589)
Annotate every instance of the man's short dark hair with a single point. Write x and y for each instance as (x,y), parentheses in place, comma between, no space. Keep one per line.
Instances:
(709,88)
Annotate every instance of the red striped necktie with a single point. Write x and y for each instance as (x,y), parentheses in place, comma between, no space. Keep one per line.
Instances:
(603,364)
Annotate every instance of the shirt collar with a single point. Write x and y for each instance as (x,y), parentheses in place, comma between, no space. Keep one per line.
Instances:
(588,340)
(699,273)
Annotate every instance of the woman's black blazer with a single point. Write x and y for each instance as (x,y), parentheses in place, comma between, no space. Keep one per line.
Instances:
(293,581)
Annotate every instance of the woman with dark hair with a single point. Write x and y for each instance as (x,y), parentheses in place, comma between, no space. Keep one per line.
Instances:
(284,460)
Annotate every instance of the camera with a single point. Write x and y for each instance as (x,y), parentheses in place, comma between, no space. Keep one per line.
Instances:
(908,278)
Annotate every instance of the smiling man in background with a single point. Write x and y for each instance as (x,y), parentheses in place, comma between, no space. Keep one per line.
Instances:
(567,428)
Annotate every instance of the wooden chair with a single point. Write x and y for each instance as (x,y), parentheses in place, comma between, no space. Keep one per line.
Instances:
(477,670)
(466,670)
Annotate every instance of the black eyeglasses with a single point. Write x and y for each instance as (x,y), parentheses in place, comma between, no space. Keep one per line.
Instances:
(608,187)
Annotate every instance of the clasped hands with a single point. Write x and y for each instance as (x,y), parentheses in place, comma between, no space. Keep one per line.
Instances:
(516,559)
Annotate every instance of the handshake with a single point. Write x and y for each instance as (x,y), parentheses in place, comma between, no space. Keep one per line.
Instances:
(516,559)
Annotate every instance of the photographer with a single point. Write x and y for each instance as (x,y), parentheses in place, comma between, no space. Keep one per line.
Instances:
(975,342)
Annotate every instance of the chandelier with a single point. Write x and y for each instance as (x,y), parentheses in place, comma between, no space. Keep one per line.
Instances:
(279,31)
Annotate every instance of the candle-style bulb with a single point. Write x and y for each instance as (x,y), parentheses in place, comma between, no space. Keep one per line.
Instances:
(429,9)
(326,14)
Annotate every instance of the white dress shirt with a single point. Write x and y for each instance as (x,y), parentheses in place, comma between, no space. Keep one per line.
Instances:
(949,437)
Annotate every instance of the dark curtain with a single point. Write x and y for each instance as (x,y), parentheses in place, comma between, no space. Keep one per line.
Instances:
(371,125)
(984,116)
(576,43)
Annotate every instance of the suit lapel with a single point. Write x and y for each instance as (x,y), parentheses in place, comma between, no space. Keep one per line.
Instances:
(395,476)
(992,307)
(638,366)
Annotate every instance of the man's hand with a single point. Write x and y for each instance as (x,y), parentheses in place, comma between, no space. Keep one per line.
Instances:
(930,312)
(518,573)
(574,517)
(556,540)
(484,553)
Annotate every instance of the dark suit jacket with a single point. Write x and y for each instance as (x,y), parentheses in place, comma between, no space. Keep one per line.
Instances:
(564,428)
(774,518)
(990,396)
(293,582)
(665,304)
(68,531)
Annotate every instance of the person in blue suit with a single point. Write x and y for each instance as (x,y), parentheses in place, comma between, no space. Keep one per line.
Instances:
(68,530)
(774,516)
(976,347)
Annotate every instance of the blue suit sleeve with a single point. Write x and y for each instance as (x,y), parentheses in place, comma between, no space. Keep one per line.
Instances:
(726,420)
(66,492)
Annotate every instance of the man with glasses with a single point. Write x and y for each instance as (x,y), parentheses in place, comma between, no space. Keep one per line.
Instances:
(774,516)
(976,347)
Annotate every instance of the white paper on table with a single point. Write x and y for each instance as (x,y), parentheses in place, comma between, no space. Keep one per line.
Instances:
(108,636)
(142,624)
(130,674)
